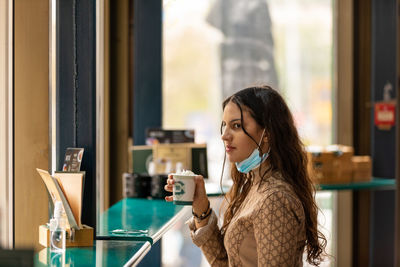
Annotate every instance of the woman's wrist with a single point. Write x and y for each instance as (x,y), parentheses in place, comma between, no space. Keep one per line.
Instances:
(201,219)
(203,214)
(201,207)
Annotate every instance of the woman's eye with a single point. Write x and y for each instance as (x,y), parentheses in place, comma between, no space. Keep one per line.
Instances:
(237,126)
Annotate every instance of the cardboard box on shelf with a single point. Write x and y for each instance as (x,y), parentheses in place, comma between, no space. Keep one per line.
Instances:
(332,164)
(362,168)
(174,153)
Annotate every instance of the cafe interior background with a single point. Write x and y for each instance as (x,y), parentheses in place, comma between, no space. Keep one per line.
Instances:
(97,74)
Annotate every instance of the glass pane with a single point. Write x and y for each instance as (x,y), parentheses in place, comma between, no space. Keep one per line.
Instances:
(191,75)
(212,48)
(302,31)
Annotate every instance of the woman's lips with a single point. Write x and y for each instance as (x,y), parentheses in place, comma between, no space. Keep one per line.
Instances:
(229,148)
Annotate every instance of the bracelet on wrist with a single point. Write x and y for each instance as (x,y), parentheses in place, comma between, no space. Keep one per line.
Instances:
(204,215)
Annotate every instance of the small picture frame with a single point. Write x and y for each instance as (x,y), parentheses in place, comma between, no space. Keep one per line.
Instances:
(73,159)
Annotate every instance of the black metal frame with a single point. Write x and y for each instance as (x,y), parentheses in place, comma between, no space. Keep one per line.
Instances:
(147,82)
(147,67)
(384,46)
(76,92)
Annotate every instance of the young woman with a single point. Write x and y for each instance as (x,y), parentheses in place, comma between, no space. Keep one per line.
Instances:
(271,215)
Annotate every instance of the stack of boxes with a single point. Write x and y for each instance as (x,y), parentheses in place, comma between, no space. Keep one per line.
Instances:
(362,168)
(337,164)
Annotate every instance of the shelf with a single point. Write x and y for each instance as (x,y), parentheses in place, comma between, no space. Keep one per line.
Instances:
(213,189)
(375,183)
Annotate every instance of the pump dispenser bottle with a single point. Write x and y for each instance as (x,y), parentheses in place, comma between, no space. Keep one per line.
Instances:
(57,229)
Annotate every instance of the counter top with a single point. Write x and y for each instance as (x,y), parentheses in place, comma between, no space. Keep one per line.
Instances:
(103,253)
(140,222)
(144,219)
(154,217)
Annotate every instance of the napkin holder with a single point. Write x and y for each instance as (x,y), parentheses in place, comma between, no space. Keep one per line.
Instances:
(78,238)
(67,187)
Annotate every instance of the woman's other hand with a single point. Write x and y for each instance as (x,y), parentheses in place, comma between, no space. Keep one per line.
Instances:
(169,187)
(200,200)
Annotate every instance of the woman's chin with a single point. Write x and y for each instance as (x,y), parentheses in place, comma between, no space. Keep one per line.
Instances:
(232,159)
(229,158)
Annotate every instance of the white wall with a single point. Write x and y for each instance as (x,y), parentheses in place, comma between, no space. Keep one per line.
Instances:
(6,224)
(31,119)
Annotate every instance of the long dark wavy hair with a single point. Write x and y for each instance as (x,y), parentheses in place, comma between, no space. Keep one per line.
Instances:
(287,156)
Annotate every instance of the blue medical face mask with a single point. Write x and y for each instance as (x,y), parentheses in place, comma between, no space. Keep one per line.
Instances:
(253,161)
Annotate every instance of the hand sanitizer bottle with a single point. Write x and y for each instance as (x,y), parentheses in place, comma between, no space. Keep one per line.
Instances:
(57,229)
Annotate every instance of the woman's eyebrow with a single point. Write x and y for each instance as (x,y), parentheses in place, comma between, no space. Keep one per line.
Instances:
(231,121)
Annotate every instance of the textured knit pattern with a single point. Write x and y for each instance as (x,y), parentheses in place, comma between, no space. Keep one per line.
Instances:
(267,230)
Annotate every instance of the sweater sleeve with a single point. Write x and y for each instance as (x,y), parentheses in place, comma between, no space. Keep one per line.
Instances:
(276,230)
(209,239)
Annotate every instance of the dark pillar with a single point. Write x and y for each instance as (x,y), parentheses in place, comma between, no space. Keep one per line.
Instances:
(76,91)
(147,96)
(147,82)
(383,66)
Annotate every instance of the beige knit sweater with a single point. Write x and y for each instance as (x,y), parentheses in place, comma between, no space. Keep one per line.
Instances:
(267,230)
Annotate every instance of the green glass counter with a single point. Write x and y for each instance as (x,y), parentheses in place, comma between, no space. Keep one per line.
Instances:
(152,217)
(139,219)
(144,219)
(126,232)
(103,253)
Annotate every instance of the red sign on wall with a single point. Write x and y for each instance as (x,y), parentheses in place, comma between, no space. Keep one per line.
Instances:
(385,115)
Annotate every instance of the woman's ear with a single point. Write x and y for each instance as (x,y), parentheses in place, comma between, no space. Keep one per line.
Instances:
(265,145)
(265,140)
(264,136)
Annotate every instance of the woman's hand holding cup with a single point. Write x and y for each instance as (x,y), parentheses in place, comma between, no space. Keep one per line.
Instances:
(200,199)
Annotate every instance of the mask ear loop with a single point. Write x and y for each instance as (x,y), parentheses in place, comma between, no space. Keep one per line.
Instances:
(259,144)
(261,154)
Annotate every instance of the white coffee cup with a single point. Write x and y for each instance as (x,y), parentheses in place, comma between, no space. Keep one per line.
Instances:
(183,190)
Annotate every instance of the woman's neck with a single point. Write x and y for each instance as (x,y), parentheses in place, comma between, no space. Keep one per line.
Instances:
(258,173)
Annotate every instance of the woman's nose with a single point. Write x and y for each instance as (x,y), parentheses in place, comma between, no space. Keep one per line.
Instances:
(226,135)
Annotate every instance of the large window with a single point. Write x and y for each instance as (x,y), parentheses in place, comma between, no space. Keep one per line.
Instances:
(213,48)
(208,55)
